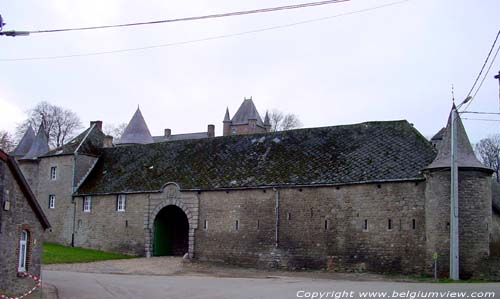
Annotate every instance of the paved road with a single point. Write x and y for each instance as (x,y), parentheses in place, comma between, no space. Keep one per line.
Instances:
(102,286)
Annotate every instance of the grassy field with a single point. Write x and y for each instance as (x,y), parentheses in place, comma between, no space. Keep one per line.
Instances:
(58,254)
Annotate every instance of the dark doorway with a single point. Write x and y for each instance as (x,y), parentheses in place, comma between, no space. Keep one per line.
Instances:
(171,229)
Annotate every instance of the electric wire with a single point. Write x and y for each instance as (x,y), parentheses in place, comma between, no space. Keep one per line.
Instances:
(481,119)
(212,16)
(202,39)
(481,71)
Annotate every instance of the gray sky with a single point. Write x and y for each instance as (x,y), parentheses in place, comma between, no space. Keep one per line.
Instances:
(391,63)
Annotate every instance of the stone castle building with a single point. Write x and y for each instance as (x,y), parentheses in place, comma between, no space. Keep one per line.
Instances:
(372,196)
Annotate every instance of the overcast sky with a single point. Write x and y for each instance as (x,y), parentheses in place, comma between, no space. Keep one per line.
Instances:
(396,62)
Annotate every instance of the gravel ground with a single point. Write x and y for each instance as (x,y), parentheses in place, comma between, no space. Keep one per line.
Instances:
(178,266)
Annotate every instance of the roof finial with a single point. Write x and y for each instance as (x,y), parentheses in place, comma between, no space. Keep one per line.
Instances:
(452,94)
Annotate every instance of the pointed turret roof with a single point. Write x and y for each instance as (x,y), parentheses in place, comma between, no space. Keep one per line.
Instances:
(25,144)
(247,111)
(40,145)
(137,131)
(465,154)
(267,122)
(226,117)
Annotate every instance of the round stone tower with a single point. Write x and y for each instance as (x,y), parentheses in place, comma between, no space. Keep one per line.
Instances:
(474,205)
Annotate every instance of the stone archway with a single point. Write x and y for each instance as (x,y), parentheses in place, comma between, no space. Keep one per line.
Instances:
(170,232)
(188,203)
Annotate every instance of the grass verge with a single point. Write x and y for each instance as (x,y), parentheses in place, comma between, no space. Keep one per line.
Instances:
(58,254)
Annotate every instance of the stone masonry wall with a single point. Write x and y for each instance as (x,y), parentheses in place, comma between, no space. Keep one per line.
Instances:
(474,219)
(19,217)
(60,217)
(318,227)
(107,229)
(495,236)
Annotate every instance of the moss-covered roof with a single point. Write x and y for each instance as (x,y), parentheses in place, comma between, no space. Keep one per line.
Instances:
(372,151)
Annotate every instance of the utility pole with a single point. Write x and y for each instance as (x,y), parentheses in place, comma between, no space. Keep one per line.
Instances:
(454,254)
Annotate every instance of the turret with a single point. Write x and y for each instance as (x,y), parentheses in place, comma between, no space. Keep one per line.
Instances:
(136,132)
(267,122)
(226,124)
(474,207)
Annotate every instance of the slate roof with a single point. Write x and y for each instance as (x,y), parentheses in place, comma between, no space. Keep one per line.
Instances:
(25,144)
(465,155)
(89,142)
(40,145)
(246,111)
(366,152)
(137,131)
(23,185)
(186,136)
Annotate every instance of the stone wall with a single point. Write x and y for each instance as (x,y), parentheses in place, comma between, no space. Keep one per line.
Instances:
(474,219)
(318,227)
(19,217)
(60,217)
(105,228)
(495,236)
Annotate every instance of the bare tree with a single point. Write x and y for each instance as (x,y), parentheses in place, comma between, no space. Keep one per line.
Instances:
(115,130)
(6,141)
(59,123)
(282,122)
(489,152)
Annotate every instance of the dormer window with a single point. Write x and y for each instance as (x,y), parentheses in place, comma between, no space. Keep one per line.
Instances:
(53,173)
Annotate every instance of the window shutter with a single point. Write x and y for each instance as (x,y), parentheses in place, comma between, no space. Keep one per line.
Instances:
(124,202)
(117,202)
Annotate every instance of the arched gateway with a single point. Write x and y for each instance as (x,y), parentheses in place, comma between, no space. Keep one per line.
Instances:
(170,222)
(171,232)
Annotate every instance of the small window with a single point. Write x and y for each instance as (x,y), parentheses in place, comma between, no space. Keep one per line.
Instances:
(327,225)
(237,226)
(258,224)
(233,131)
(53,173)
(365,225)
(413,224)
(23,250)
(205,225)
(87,203)
(289,216)
(120,202)
(389,224)
(52,201)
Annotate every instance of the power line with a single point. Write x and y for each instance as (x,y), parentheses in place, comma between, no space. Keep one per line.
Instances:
(201,39)
(481,119)
(485,75)
(475,112)
(213,16)
(481,71)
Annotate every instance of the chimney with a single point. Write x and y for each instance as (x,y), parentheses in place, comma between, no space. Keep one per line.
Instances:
(107,141)
(211,131)
(168,133)
(98,124)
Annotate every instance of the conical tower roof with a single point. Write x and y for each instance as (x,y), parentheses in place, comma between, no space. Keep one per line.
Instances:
(40,145)
(465,157)
(267,122)
(25,144)
(247,111)
(137,131)
(226,117)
